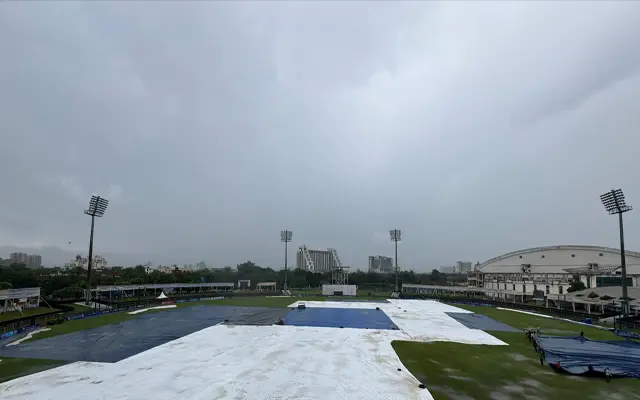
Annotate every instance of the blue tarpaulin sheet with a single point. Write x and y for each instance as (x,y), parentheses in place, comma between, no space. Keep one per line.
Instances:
(482,322)
(625,334)
(339,317)
(576,354)
(112,343)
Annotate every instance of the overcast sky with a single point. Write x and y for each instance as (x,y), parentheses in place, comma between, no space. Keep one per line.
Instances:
(476,128)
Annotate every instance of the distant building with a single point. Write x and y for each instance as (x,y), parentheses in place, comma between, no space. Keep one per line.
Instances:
(462,267)
(380,264)
(166,269)
(34,261)
(30,260)
(98,263)
(317,260)
(552,270)
(19,258)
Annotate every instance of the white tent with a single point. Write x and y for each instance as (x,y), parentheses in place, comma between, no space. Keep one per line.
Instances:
(162,296)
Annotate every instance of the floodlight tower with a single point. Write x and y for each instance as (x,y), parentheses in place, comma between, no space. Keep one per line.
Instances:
(615,203)
(97,207)
(396,236)
(285,236)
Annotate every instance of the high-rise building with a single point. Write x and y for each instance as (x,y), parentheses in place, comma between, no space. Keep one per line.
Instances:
(98,263)
(18,258)
(317,260)
(380,264)
(462,267)
(34,261)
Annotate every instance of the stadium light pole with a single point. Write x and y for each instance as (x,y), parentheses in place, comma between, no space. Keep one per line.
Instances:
(285,236)
(97,207)
(614,202)
(396,236)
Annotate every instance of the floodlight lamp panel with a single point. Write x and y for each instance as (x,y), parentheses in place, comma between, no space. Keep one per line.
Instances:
(285,236)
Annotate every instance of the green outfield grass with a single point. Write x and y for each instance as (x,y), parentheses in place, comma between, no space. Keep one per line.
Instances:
(460,371)
(11,368)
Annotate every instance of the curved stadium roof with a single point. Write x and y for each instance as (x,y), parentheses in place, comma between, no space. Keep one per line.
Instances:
(558,247)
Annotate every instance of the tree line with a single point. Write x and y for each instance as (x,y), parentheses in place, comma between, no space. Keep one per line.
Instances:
(70,283)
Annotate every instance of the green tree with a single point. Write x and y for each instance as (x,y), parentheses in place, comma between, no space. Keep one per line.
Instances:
(436,276)
(576,286)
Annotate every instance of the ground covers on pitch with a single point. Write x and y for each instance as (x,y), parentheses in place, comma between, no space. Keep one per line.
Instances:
(461,371)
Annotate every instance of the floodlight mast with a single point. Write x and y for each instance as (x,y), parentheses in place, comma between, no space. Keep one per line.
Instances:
(285,236)
(615,203)
(396,236)
(97,208)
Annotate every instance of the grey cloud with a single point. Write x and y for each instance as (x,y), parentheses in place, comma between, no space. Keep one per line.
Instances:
(475,128)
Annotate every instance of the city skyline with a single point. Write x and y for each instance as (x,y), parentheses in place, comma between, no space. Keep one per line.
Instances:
(103,262)
(460,124)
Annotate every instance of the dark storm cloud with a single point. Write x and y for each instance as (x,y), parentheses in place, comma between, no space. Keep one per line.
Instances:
(477,128)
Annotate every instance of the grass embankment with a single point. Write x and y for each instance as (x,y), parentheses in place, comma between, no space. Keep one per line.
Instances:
(29,312)
(460,371)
